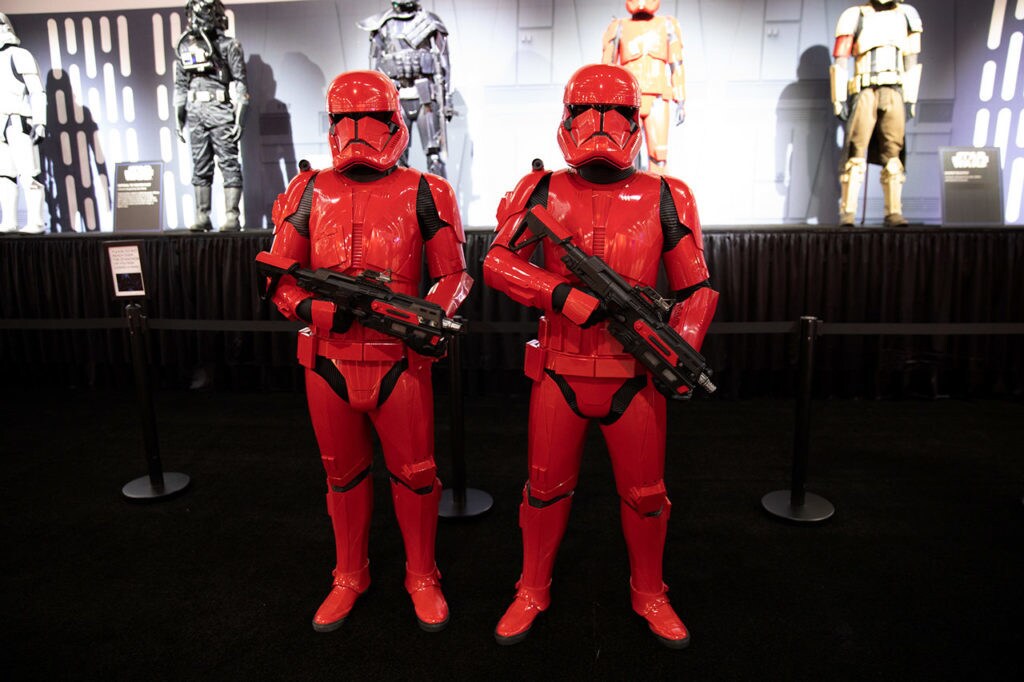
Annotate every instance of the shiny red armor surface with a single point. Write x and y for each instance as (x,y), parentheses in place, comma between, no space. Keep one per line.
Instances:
(366,123)
(635,222)
(359,380)
(601,117)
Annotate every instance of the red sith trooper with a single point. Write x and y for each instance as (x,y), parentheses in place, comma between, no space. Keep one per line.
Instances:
(635,221)
(366,213)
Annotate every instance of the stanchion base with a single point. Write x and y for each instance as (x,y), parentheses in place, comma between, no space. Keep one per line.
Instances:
(814,509)
(143,490)
(477,502)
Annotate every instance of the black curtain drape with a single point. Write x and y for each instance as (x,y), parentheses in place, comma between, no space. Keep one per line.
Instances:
(923,275)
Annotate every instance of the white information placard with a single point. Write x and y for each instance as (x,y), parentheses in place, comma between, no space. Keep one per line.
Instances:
(126,269)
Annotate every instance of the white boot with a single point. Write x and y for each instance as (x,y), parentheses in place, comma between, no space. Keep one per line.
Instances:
(34,199)
(892,192)
(850,182)
(8,204)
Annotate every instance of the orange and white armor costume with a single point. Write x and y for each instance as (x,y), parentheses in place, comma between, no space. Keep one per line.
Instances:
(651,47)
(883,40)
(636,221)
(363,214)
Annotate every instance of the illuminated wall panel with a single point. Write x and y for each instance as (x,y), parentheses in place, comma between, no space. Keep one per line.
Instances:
(760,144)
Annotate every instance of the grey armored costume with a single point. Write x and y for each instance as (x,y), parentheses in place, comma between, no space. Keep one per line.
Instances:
(210,99)
(410,46)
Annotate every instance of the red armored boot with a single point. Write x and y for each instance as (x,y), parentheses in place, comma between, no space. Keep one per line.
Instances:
(645,542)
(543,525)
(350,511)
(416,511)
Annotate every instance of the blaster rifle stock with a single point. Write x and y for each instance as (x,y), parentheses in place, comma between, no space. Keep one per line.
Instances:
(422,325)
(635,314)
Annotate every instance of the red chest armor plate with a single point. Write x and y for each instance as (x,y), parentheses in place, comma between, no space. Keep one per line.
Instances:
(357,226)
(619,223)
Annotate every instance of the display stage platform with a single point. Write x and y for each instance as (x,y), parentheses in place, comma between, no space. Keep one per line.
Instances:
(923,309)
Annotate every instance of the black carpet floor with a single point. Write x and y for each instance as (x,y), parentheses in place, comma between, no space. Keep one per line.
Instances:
(917,577)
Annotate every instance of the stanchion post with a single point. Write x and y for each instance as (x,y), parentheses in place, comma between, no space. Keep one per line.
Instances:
(156,485)
(796,504)
(809,327)
(459,501)
(143,397)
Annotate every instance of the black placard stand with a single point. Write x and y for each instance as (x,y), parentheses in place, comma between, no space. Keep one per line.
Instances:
(797,504)
(459,502)
(124,260)
(157,485)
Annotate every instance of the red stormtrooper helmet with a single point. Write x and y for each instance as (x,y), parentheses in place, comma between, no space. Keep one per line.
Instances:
(602,117)
(366,122)
(646,6)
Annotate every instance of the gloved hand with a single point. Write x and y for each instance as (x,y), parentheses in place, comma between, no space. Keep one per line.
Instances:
(680,111)
(341,319)
(574,303)
(432,347)
(38,133)
(910,109)
(241,106)
(842,110)
(669,393)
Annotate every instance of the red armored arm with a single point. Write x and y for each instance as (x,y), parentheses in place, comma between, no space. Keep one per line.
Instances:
(684,265)
(446,262)
(843,46)
(511,272)
(291,238)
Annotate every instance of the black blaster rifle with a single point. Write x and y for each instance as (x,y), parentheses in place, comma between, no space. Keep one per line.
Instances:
(636,315)
(422,325)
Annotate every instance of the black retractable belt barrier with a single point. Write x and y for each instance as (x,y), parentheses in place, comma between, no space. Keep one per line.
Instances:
(157,485)
(797,504)
(459,502)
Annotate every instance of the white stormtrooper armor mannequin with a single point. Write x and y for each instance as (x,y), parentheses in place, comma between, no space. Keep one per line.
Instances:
(22,127)
(883,39)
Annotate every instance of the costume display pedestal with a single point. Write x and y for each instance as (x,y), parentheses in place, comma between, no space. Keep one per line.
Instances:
(143,489)
(470,503)
(813,509)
